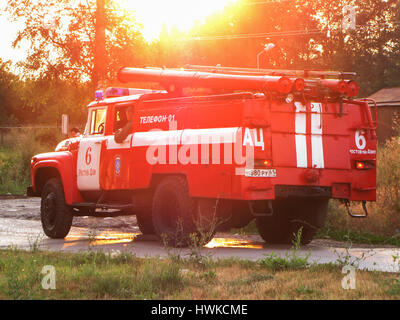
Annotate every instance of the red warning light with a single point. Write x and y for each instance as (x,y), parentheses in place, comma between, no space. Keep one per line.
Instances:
(267,163)
(360,165)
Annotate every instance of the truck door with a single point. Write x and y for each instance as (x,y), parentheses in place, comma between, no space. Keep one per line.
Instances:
(88,163)
(116,168)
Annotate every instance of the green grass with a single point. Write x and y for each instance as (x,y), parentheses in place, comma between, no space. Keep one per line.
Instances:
(123,276)
(14,176)
(96,275)
(291,261)
(304,290)
(277,263)
(357,237)
(393,287)
(251,279)
(16,154)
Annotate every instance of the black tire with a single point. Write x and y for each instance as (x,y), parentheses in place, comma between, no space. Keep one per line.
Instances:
(290,215)
(55,214)
(145,222)
(239,216)
(176,215)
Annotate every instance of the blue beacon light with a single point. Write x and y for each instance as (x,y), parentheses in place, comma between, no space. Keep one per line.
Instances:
(99,95)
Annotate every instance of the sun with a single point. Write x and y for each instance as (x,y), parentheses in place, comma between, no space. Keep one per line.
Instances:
(180,14)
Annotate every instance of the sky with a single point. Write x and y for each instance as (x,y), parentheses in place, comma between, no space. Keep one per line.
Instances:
(180,14)
(7,35)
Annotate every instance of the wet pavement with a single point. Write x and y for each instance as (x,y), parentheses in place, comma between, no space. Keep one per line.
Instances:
(20,227)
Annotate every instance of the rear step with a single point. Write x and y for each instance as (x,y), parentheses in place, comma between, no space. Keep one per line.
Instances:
(353,215)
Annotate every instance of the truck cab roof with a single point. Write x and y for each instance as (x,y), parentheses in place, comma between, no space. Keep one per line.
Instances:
(129,95)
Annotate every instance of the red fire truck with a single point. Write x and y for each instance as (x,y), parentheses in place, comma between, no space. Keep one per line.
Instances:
(216,148)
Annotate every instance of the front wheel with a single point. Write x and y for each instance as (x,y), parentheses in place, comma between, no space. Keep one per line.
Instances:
(55,214)
(291,215)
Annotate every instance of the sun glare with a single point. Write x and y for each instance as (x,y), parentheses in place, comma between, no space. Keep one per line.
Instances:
(180,14)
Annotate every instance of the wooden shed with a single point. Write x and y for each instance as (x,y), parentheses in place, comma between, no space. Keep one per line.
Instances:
(388,101)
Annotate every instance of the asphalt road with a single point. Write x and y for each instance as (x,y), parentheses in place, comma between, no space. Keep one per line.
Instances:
(20,227)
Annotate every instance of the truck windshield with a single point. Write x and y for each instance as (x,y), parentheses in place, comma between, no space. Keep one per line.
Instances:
(98,120)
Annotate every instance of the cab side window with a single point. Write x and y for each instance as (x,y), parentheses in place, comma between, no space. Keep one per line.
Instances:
(120,119)
(98,121)
(123,123)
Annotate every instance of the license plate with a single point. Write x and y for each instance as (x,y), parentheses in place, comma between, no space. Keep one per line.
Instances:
(260,173)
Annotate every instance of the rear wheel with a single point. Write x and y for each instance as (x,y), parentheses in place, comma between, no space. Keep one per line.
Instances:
(176,216)
(237,216)
(56,215)
(291,215)
(145,222)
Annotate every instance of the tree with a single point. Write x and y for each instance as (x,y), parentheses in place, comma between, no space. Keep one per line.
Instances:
(307,34)
(61,38)
(42,100)
(216,42)
(371,50)
(10,102)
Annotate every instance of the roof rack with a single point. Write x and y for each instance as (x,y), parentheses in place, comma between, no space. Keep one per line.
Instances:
(280,82)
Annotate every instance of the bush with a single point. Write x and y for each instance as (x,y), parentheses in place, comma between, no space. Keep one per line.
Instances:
(388,183)
(15,159)
(384,215)
(48,137)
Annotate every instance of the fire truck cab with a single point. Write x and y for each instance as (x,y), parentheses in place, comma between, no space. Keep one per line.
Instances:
(259,144)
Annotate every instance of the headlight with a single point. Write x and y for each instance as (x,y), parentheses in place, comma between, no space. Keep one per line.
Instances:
(63,145)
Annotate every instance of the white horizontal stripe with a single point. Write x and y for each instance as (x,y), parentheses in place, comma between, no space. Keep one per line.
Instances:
(112,145)
(209,136)
(157,138)
(185,137)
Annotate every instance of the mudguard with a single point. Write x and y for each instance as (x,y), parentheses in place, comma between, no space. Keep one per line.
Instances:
(56,164)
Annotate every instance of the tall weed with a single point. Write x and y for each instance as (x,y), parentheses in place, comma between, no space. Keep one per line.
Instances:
(15,158)
(384,215)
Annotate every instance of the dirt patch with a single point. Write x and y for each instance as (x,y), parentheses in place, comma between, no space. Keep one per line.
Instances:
(26,208)
(11,196)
